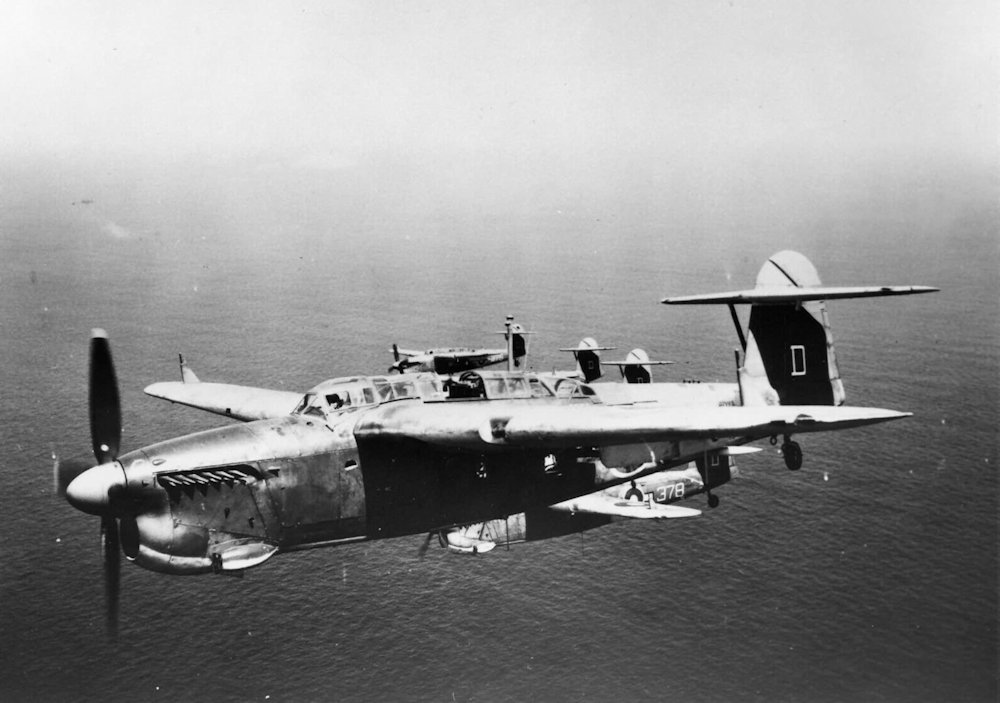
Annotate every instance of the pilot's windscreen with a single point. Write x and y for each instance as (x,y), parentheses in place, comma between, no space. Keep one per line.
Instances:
(316,407)
(304,403)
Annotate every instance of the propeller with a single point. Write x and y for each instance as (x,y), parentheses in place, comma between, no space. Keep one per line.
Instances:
(400,364)
(65,470)
(101,490)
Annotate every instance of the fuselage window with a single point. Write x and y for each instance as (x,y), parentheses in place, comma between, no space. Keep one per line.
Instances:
(496,388)
(403,389)
(518,387)
(537,389)
(338,400)
(384,391)
(798,360)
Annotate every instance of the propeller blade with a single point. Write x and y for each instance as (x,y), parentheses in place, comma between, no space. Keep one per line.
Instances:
(423,547)
(112,573)
(65,470)
(395,352)
(105,404)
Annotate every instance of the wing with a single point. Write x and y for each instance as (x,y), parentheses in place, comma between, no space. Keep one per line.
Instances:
(614,425)
(542,425)
(239,402)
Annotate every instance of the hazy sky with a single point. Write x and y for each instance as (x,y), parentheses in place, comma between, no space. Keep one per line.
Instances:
(328,83)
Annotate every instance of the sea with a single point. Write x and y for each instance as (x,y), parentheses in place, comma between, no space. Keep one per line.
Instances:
(869,575)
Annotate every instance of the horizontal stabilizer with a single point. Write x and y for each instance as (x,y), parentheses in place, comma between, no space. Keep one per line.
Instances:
(582,347)
(239,402)
(631,362)
(783,295)
(603,504)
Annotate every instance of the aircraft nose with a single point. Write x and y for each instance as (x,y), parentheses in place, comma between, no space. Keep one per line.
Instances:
(89,492)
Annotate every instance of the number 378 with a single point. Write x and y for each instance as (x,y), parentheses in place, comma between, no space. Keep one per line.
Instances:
(670,491)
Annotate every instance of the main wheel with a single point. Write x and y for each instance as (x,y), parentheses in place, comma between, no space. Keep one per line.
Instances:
(793,455)
(713,501)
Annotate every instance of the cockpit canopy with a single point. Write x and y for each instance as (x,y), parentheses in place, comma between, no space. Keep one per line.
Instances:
(336,395)
(345,394)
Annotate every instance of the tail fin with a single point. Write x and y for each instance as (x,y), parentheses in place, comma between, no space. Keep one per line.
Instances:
(588,358)
(519,344)
(789,353)
(790,343)
(636,367)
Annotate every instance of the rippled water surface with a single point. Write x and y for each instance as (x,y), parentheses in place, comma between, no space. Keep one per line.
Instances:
(869,575)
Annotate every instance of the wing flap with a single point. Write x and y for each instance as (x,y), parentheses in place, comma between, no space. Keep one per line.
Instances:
(240,402)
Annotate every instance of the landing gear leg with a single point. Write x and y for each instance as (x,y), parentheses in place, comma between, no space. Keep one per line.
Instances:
(792,453)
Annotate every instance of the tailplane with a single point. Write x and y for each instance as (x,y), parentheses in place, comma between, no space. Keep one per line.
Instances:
(789,356)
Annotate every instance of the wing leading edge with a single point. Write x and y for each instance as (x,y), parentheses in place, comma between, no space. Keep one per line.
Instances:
(239,402)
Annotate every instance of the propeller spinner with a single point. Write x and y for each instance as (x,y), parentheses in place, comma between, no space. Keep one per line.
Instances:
(102,489)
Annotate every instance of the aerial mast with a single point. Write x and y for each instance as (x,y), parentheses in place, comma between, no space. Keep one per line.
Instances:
(510,342)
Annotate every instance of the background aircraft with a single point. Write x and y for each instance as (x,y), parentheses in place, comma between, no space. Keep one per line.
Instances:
(446,360)
(636,367)
(363,458)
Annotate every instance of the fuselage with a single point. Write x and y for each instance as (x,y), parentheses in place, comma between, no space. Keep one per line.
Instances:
(346,466)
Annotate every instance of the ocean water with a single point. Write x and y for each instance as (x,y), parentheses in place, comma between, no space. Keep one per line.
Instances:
(870,575)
